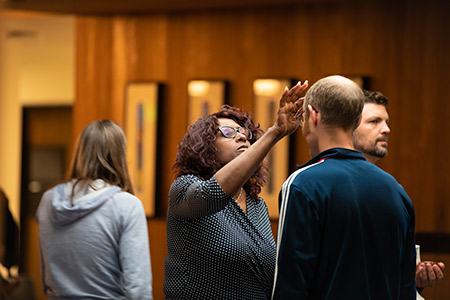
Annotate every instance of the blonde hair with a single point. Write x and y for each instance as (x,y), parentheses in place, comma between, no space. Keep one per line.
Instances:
(339,100)
(101,154)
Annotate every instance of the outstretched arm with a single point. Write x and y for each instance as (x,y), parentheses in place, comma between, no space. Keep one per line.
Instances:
(233,175)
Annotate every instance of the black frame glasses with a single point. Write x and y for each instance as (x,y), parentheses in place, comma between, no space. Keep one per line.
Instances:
(230,132)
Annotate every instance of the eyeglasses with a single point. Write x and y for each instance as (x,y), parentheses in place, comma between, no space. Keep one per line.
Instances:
(231,132)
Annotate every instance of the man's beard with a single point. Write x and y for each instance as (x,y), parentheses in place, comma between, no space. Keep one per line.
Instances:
(373,150)
(377,151)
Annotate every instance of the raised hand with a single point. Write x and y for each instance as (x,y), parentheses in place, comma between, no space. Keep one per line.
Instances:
(290,110)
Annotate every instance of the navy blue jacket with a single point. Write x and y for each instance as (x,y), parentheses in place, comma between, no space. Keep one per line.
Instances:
(346,231)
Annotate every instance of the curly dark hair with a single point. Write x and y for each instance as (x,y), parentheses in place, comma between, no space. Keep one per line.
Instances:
(375,97)
(197,154)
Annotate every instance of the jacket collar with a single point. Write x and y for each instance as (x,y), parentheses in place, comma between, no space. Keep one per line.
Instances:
(337,153)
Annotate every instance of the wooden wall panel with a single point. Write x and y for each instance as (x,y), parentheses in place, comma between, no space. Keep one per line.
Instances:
(106,60)
(403,47)
(158,252)
(151,58)
(32,259)
(94,61)
(421,131)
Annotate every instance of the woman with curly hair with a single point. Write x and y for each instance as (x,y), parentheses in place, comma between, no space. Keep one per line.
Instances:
(220,243)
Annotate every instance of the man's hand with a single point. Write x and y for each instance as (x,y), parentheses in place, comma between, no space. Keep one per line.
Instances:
(429,273)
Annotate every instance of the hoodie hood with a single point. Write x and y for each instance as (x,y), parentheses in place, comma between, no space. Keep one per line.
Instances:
(86,200)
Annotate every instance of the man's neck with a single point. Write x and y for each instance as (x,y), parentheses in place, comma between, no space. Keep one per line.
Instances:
(336,138)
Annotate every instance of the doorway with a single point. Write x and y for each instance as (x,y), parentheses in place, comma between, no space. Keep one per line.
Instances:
(46,153)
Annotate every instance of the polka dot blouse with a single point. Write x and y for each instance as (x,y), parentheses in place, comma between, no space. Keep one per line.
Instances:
(215,250)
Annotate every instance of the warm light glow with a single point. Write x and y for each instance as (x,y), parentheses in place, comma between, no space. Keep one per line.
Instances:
(266,87)
(198,88)
(40,73)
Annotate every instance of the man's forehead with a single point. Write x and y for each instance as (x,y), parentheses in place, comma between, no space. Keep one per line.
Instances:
(373,109)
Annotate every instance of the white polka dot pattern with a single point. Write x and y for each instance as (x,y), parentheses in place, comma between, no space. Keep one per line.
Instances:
(216,251)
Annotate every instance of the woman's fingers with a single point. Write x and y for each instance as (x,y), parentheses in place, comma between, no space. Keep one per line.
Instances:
(293,94)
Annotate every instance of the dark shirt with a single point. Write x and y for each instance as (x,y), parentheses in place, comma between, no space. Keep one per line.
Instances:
(215,250)
(346,231)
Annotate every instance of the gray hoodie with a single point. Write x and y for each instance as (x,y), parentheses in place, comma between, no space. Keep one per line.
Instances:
(96,249)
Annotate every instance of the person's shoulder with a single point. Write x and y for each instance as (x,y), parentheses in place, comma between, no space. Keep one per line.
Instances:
(125,196)
(305,175)
(185,180)
(125,201)
(313,168)
(49,194)
(48,197)
(379,175)
(370,167)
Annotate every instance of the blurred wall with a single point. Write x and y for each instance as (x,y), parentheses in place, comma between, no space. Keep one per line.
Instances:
(36,69)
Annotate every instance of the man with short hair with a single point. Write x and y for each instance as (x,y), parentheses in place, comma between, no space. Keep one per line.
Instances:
(346,227)
(371,138)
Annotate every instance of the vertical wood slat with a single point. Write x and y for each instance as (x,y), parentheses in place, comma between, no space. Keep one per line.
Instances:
(94,58)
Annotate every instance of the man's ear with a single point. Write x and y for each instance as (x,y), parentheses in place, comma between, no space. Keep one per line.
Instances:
(314,115)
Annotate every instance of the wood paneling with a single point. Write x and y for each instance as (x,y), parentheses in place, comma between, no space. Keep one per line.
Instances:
(403,47)
(158,252)
(141,6)
(32,259)
(94,80)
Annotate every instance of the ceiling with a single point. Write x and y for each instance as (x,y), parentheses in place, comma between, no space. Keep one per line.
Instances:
(141,6)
